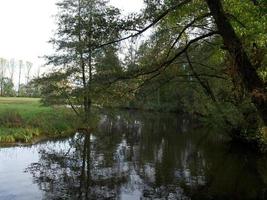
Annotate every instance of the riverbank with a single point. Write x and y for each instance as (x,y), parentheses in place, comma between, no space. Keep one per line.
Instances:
(25,119)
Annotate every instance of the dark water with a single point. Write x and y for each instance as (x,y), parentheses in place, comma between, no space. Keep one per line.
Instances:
(134,156)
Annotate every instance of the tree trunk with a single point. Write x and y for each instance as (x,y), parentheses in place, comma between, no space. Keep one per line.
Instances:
(20,68)
(2,76)
(86,98)
(251,80)
(90,67)
(2,80)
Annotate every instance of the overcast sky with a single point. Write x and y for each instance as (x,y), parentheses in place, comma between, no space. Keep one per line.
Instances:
(27,25)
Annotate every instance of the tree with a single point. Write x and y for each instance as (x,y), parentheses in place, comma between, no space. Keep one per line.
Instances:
(28,71)
(82,26)
(8,88)
(249,76)
(20,71)
(3,63)
(11,68)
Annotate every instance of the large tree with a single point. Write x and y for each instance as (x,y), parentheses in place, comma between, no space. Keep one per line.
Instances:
(244,65)
(187,24)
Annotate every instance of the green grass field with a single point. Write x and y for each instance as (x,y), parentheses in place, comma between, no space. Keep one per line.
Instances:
(24,119)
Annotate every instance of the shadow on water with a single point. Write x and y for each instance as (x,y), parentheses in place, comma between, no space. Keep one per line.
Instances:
(135,155)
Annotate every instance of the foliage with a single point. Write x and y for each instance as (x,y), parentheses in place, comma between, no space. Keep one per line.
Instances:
(189,63)
(83,26)
(213,89)
(8,87)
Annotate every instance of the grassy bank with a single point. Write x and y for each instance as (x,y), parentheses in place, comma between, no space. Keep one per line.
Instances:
(24,119)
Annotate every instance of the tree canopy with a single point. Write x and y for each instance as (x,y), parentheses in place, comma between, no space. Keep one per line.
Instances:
(207,58)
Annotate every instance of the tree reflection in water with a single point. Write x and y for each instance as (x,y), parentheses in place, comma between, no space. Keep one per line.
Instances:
(148,156)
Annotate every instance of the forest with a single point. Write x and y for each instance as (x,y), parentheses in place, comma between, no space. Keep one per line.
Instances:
(205,58)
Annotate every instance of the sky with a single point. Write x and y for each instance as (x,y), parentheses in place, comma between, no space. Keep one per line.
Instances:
(27,25)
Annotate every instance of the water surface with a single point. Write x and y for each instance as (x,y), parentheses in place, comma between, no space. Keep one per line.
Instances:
(134,155)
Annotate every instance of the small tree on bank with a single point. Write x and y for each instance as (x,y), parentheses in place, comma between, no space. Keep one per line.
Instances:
(83,25)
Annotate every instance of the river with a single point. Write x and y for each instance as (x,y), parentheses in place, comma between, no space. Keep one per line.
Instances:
(134,155)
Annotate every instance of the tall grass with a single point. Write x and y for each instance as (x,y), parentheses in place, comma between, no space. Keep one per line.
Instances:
(23,119)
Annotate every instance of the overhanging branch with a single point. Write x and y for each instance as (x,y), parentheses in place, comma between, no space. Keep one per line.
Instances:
(153,23)
(164,65)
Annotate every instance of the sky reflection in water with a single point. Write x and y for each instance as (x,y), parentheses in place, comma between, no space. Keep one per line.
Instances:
(133,155)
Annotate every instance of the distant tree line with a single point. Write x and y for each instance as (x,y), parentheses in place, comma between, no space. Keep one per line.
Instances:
(16,79)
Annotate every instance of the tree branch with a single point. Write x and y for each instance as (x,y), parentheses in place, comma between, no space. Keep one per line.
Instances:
(185,28)
(153,23)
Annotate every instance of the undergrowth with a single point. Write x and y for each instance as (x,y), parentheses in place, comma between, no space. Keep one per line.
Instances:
(26,120)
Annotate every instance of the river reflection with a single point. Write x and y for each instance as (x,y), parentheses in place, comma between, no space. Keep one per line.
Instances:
(135,155)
